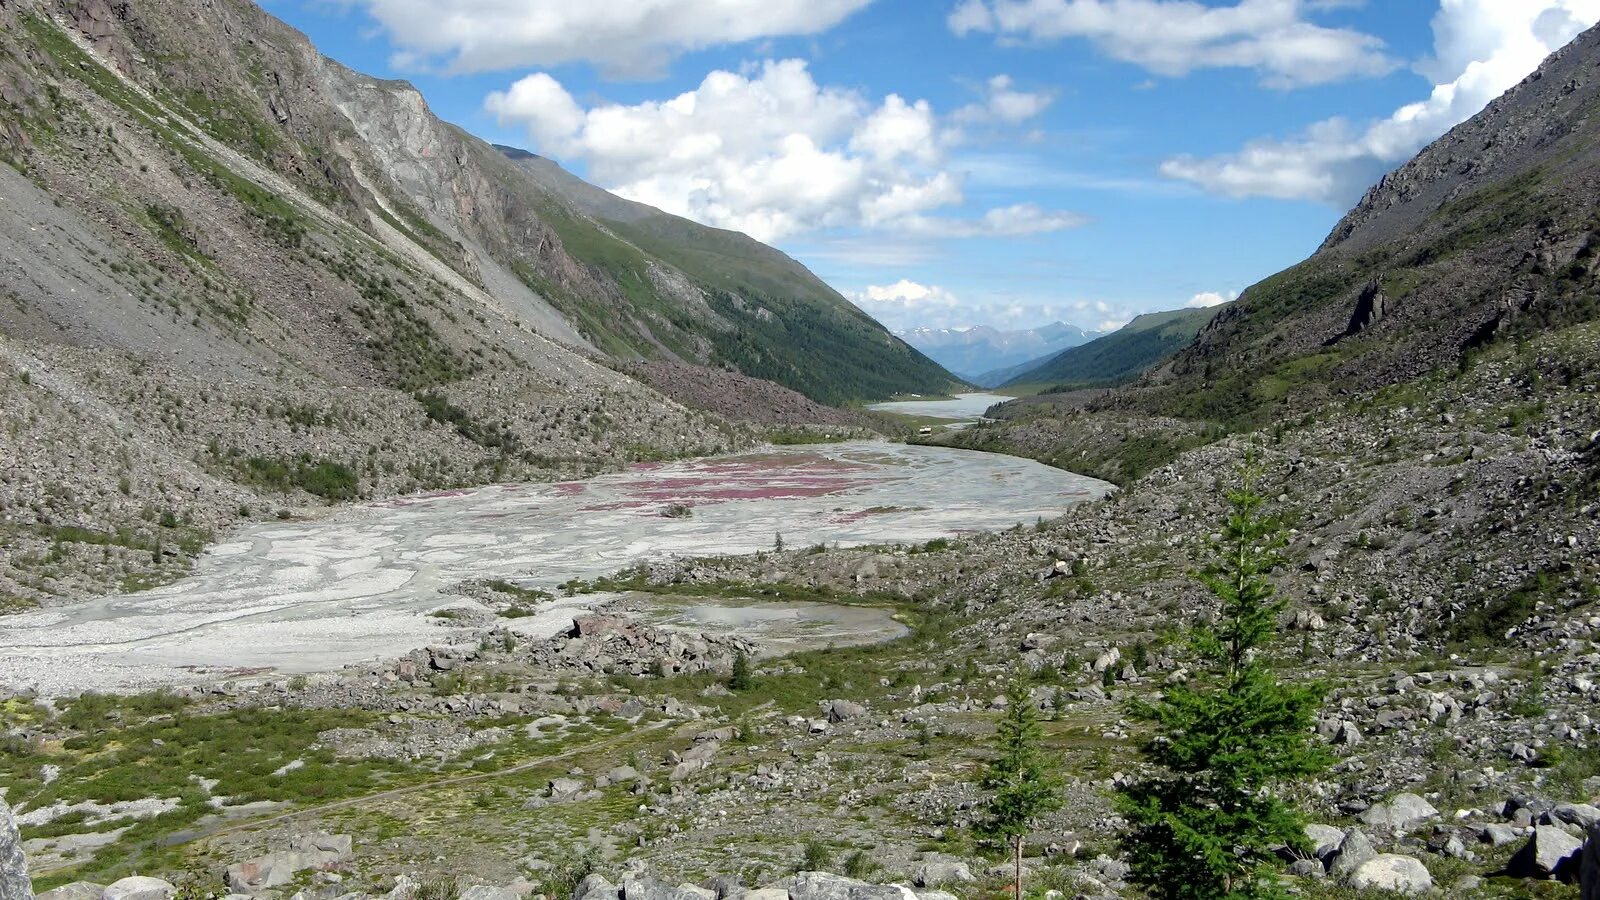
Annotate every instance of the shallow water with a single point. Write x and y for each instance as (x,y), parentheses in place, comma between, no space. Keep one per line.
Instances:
(356,585)
(961,406)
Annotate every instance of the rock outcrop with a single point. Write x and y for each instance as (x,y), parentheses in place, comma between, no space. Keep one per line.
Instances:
(14,883)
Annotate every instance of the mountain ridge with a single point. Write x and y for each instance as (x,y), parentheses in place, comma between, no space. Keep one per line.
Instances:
(1122,355)
(244,279)
(975,353)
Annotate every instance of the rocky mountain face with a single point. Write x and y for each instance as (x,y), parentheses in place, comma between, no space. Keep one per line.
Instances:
(14,883)
(240,278)
(1488,234)
(977,353)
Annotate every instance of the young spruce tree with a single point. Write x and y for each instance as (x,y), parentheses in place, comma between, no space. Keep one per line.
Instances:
(741,679)
(1204,826)
(1020,785)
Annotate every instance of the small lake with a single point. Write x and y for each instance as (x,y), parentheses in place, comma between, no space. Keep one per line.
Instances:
(356,584)
(961,406)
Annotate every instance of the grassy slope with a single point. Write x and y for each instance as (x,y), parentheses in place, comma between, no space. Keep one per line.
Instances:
(769,316)
(1121,355)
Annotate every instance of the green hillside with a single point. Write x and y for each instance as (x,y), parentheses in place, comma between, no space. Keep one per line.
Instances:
(1120,356)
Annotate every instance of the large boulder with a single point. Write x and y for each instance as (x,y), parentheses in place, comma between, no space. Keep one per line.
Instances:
(77,890)
(139,887)
(313,851)
(1402,813)
(644,886)
(1392,872)
(1589,869)
(1550,853)
(596,887)
(936,872)
(1580,814)
(1354,851)
(14,883)
(492,892)
(826,886)
(845,710)
(1324,840)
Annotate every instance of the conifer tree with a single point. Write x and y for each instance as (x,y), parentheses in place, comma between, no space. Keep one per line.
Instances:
(1020,785)
(740,678)
(1227,742)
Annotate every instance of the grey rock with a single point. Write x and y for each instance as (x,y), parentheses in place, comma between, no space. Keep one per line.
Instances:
(14,883)
(1402,813)
(726,887)
(1589,868)
(1550,853)
(845,710)
(77,890)
(1306,868)
(826,886)
(312,851)
(769,893)
(596,887)
(644,886)
(1498,835)
(1580,814)
(941,871)
(1392,872)
(561,788)
(139,887)
(1354,851)
(1324,839)
(486,892)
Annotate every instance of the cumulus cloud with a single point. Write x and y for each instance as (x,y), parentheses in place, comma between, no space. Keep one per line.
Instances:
(1005,221)
(908,304)
(1176,37)
(768,152)
(1481,49)
(1208,299)
(631,38)
(1004,102)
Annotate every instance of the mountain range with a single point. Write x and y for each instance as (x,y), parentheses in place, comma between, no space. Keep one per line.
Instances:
(976,353)
(240,276)
(1110,359)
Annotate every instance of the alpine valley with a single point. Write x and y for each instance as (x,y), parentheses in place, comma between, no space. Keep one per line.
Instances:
(387,513)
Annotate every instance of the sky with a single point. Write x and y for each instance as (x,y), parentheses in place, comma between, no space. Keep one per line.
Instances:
(949,163)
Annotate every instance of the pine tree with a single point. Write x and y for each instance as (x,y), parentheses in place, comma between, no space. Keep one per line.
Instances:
(740,679)
(1021,788)
(1227,742)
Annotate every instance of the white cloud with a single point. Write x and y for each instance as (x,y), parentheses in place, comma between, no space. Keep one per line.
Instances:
(1481,49)
(632,37)
(1003,102)
(1208,299)
(768,152)
(908,304)
(1176,37)
(1006,221)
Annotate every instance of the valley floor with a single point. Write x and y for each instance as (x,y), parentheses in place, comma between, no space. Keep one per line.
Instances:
(1444,578)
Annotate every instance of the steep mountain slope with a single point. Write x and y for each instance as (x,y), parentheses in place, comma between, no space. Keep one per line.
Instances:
(240,278)
(1488,237)
(976,353)
(1490,233)
(1116,357)
(755,308)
